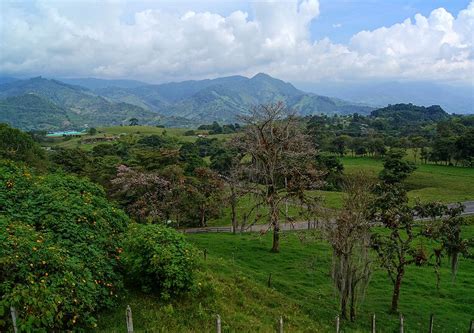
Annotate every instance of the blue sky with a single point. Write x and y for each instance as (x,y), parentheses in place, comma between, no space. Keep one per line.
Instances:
(356,15)
(295,40)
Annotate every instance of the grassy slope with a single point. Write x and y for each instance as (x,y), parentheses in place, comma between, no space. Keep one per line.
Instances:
(428,182)
(238,267)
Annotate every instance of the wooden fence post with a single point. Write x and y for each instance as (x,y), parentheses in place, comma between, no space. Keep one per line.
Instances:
(401,323)
(280,322)
(218,324)
(337,324)
(128,314)
(431,323)
(269,283)
(471,327)
(14,317)
(205,254)
(373,323)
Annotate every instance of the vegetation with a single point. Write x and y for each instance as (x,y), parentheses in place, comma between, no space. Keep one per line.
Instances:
(158,259)
(234,283)
(349,238)
(281,165)
(59,249)
(16,145)
(71,259)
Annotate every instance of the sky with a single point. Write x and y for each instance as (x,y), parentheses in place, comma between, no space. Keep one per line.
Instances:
(304,41)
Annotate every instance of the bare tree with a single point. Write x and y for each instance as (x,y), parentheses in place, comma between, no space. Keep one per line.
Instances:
(349,236)
(278,162)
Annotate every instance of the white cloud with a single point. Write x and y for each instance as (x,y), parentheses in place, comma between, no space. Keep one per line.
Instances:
(91,39)
(337,25)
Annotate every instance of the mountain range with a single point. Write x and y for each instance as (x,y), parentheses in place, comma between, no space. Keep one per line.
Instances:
(49,104)
(452,98)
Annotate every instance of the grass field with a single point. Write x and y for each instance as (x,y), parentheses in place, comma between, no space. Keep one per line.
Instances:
(429,182)
(132,130)
(234,284)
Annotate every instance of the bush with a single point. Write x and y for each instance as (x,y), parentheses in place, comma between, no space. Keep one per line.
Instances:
(59,250)
(158,259)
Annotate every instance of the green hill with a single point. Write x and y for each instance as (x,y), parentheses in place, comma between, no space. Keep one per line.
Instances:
(410,114)
(18,111)
(81,106)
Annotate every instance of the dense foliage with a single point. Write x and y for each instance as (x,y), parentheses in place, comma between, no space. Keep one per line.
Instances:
(16,145)
(59,249)
(158,259)
(432,134)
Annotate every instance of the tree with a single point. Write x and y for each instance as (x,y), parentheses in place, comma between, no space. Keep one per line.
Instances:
(225,161)
(278,163)
(208,196)
(92,131)
(133,122)
(417,143)
(444,149)
(333,170)
(74,160)
(376,147)
(340,143)
(141,193)
(350,241)
(16,145)
(465,147)
(189,154)
(444,228)
(395,168)
(397,248)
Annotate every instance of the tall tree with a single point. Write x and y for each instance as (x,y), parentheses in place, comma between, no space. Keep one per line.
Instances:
(398,247)
(349,237)
(278,163)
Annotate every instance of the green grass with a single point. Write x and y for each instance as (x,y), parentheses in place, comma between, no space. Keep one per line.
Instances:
(234,284)
(133,130)
(429,182)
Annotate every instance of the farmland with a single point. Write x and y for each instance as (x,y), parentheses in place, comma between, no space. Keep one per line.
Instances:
(235,279)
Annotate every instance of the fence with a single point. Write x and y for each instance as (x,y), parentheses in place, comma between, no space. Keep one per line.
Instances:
(280,323)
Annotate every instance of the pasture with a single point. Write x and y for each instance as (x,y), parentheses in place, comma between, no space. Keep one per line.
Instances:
(233,282)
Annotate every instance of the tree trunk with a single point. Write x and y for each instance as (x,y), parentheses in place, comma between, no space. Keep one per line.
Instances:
(234,219)
(276,236)
(233,208)
(203,217)
(353,304)
(396,289)
(344,307)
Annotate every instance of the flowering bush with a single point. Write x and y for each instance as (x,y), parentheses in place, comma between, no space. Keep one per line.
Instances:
(158,259)
(59,249)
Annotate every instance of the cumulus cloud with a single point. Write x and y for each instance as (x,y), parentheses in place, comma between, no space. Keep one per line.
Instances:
(92,39)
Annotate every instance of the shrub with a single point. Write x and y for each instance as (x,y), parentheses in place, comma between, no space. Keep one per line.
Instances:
(59,249)
(158,259)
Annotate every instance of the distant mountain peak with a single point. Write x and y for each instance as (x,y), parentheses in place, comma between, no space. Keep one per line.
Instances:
(263,76)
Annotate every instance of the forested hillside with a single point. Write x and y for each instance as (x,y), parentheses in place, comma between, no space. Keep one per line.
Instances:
(190,103)
(80,106)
